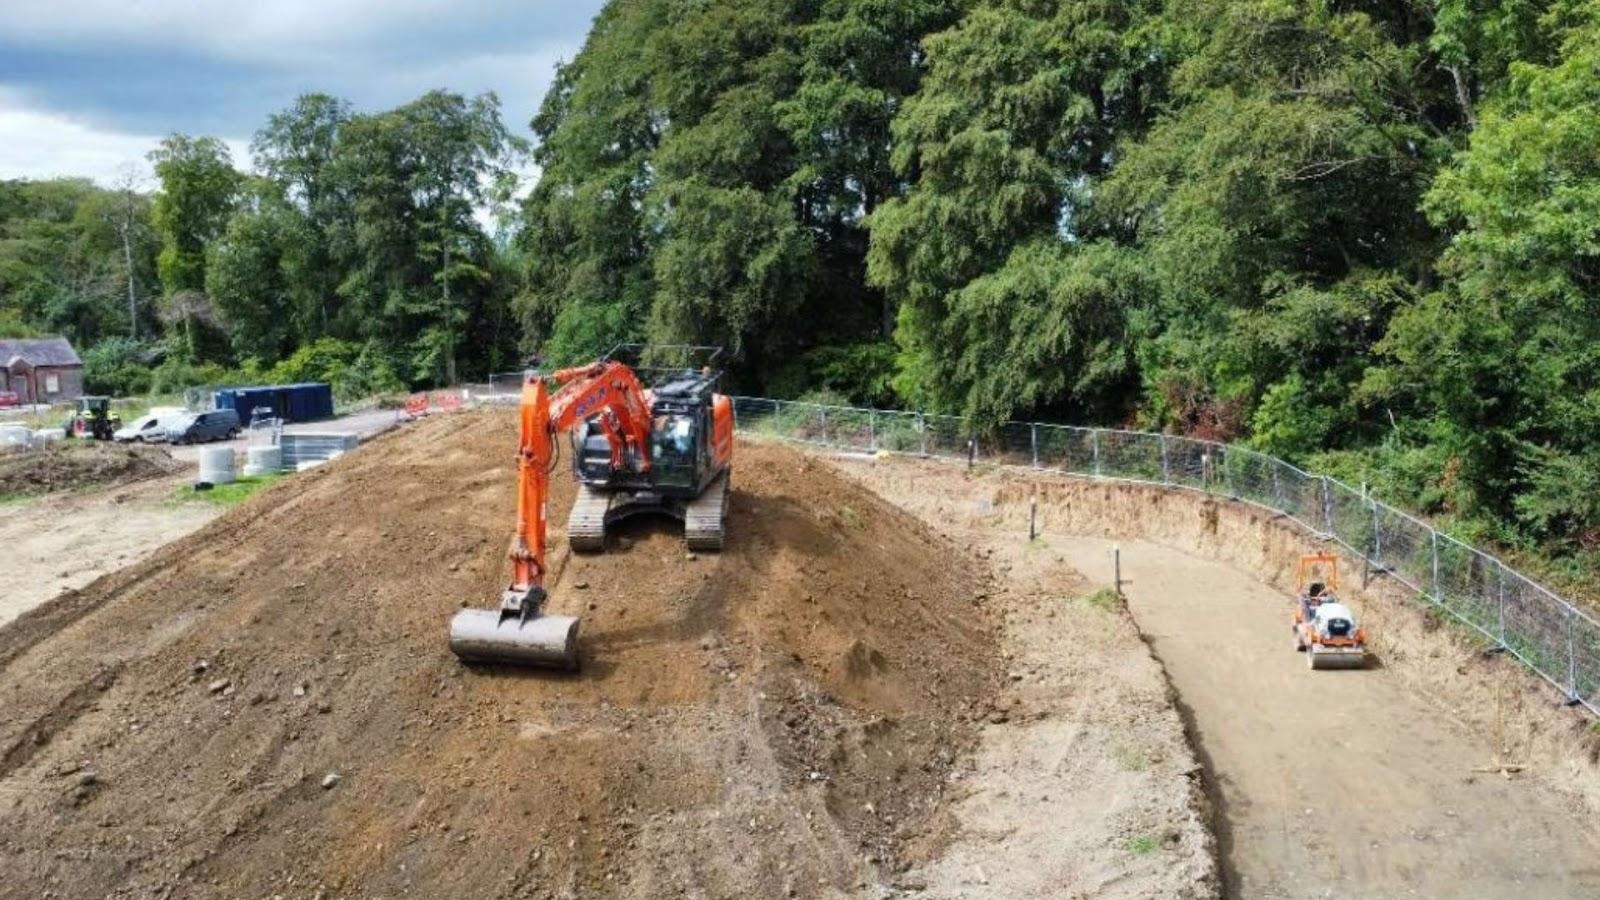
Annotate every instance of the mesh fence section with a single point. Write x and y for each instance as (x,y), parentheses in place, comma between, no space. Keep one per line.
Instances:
(947,435)
(1190,462)
(848,429)
(1300,495)
(1130,454)
(1405,548)
(754,414)
(1469,585)
(1350,517)
(1012,444)
(1586,660)
(1536,627)
(898,432)
(1550,635)
(1066,449)
(1251,476)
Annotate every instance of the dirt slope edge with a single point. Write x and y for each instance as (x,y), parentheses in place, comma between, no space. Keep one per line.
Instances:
(1437,708)
(1085,783)
(268,706)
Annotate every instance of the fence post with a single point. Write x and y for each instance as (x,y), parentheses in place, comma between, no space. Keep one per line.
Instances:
(1572,658)
(825,440)
(922,431)
(1500,617)
(1094,439)
(1227,471)
(1433,539)
(1377,538)
(872,430)
(1327,506)
(1034,437)
(972,452)
(1277,488)
(1166,467)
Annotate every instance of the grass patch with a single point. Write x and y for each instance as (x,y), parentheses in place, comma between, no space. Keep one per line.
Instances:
(227,494)
(850,517)
(1142,845)
(1104,599)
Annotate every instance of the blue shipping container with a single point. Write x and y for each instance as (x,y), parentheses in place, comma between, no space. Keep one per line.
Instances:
(289,402)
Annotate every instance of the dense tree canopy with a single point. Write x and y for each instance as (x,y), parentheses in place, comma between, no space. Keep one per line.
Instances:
(1362,235)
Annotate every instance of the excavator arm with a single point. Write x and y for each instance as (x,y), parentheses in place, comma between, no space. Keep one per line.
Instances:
(609,394)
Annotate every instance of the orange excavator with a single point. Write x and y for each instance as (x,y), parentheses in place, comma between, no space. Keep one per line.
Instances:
(666,449)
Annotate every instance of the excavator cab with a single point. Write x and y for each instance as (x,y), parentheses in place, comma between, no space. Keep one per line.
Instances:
(689,454)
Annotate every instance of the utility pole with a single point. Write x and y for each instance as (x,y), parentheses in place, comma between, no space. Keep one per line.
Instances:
(125,230)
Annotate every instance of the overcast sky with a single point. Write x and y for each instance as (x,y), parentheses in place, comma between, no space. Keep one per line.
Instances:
(87,87)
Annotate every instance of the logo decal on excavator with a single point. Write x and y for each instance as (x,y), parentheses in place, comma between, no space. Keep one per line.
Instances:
(590,402)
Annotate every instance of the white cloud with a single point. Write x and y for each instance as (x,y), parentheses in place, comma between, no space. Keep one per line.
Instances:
(38,144)
(287,32)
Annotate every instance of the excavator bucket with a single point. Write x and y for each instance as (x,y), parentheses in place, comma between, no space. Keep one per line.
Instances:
(491,636)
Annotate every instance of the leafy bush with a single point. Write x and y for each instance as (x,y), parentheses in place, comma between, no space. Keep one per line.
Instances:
(858,374)
(354,370)
(118,366)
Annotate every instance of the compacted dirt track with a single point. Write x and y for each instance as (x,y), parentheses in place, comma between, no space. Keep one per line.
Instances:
(268,707)
(1336,784)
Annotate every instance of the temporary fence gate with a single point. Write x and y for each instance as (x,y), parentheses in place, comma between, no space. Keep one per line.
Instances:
(1552,636)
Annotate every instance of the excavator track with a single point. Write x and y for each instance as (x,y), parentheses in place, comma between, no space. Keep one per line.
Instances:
(705,517)
(586,527)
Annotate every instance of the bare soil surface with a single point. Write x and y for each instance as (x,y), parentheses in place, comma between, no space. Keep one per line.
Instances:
(63,542)
(81,465)
(1084,783)
(1345,774)
(268,706)
(1367,783)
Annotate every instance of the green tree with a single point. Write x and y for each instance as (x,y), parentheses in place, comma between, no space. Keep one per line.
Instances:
(198,188)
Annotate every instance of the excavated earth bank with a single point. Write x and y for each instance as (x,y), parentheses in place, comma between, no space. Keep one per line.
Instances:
(268,708)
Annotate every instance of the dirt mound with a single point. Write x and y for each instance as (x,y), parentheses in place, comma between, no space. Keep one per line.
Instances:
(77,465)
(268,706)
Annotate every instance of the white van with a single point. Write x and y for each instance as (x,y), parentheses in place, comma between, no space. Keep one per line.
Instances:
(152,426)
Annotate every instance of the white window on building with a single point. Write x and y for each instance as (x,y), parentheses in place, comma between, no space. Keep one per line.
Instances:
(52,384)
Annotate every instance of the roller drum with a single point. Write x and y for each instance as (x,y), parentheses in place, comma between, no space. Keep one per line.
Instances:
(481,635)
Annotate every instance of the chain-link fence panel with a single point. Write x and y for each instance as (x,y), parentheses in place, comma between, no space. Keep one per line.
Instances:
(1586,660)
(898,432)
(1130,454)
(1350,518)
(1190,463)
(1066,449)
(1405,548)
(1251,476)
(1012,444)
(1536,627)
(1469,585)
(847,429)
(754,414)
(947,436)
(1300,495)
